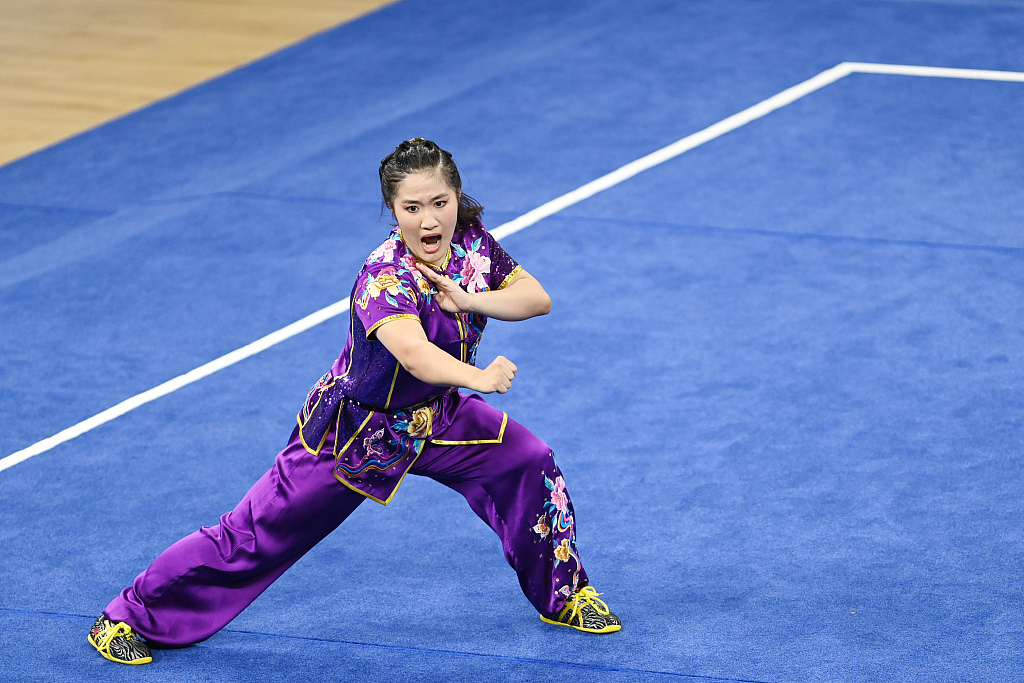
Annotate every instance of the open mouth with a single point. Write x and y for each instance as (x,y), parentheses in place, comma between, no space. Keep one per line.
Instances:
(431,243)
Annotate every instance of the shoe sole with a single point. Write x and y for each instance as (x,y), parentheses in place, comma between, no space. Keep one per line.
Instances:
(612,628)
(143,660)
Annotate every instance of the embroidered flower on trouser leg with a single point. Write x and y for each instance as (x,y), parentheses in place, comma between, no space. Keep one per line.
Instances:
(542,527)
(558,510)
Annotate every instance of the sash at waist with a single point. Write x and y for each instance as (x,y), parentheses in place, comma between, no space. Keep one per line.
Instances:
(395,411)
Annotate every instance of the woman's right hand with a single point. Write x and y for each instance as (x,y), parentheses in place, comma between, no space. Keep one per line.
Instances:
(497,376)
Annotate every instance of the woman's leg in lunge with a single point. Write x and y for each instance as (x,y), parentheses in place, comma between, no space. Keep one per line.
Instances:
(199,584)
(518,490)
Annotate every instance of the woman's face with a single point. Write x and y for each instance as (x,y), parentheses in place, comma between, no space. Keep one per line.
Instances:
(426,208)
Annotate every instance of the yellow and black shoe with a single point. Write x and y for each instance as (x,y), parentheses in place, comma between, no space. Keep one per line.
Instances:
(118,642)
(584,611)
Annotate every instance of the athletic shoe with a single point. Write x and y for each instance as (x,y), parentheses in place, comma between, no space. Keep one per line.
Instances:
(585,612)
(118,642)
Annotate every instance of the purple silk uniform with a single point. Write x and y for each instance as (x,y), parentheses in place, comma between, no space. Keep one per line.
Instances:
(386,415)
(366,424)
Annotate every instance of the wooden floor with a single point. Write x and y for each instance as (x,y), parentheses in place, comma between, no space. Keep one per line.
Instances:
(69,65)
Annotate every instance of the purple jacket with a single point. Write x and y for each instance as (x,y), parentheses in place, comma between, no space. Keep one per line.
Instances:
(382,415)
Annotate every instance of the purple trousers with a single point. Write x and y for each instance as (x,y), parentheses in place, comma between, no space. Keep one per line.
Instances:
(199,584)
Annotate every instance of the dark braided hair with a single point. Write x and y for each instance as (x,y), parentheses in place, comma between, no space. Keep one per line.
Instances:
(423,155)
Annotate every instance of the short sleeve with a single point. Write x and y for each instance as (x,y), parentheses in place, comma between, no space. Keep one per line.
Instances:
(504,268)
(382,295)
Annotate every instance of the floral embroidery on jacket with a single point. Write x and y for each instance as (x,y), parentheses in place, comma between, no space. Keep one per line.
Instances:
(412,427)
(420,424)
(374,457)
(371,444)
(471,269)
(475,267)
(387,283)
(408,262)
(384,252)
(475,270)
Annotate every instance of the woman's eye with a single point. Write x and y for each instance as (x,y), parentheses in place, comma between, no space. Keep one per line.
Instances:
(440,203)
(411,209)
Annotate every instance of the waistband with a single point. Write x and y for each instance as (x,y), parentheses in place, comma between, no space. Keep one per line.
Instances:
(393,411)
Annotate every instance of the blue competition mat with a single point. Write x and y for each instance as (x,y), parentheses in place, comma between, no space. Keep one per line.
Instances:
(782,374)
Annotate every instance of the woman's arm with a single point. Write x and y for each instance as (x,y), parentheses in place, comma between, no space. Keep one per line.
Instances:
(520,299)
(407,342)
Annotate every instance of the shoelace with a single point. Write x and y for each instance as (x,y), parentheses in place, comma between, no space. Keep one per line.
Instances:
(104,637)
(586,596)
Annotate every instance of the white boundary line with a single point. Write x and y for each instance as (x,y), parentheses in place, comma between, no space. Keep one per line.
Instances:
(228,359)
(552,207)
(934,72)
(642,164)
